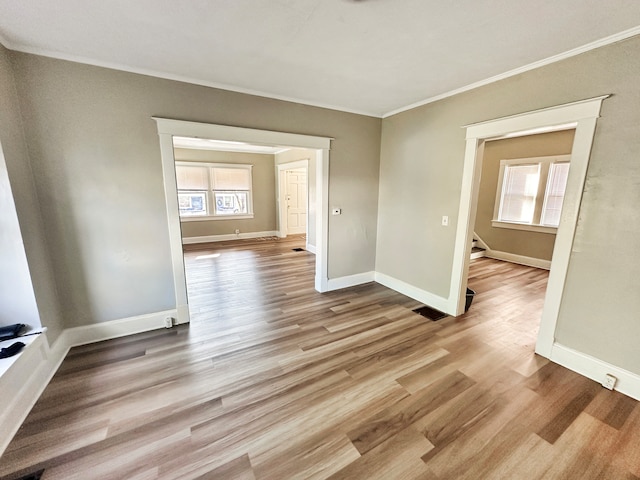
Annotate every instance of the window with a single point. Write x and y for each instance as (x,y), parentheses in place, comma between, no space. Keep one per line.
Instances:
(192,203)
(208,191)
(554,194)
(530,193)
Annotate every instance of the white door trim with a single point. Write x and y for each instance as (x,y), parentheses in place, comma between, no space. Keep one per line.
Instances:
(168,128)
(583,115)
(281,207)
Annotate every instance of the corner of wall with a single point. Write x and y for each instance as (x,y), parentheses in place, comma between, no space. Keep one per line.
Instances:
(20,392)
(627,383)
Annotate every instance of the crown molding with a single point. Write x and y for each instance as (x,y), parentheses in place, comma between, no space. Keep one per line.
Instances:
(177,78)
(625,34)
(632,32)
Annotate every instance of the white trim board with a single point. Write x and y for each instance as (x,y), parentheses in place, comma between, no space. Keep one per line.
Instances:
(167,128)
(350,280)
(617,37)
(227,133)
(517,71)
(519,259)
(584,114)
(178,78)
(97,332)
(43,362)
(19,392)
(428,298)
(628,383)
(478,254)
(228,236)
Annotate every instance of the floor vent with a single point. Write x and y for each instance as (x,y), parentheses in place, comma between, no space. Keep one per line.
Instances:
(298,249)
(33,476)
(430,313)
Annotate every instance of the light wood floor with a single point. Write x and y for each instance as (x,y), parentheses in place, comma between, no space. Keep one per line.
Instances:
(274,381)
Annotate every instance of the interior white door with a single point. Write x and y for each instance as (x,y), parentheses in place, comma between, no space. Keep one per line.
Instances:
(296,197)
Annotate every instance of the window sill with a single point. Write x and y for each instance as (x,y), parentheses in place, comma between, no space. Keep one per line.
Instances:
(212,217)
(524,226)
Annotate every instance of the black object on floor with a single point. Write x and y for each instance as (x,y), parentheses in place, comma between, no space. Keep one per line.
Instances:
(11,350)
(33,476)
(430,313)
(298,249)
(8,332)
(468,299)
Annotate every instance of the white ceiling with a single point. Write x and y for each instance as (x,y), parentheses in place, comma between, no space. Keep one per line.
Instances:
(366,56)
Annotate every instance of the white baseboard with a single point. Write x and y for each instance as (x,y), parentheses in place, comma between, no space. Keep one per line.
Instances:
(182,315)
(520,259)
(97,332)
(19,391)
(229,236)
(628,383)
(350,280)
(22,384)
(478,254)
(310,248)
(428,298)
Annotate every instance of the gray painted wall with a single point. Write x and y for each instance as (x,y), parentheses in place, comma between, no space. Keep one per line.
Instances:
(264,194)
(96,159)
(519,242)
(421,169)
(27,286)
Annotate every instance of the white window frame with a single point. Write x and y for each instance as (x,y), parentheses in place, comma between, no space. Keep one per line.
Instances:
(210,192)
(544,164)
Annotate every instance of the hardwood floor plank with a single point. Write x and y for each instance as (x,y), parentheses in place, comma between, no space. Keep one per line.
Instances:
(612,408)
(397,457)
(565,418)
(239,469)
(462,450)
(396,418)
(318,457)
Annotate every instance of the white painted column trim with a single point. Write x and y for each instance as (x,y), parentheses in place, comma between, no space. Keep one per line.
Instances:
(580,154)
(582,116)
(175,229)
(322,220)
(464,227)
(167,128)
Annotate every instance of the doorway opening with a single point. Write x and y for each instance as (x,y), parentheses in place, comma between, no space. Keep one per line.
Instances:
(580,115)
(295,187)
(520,196)
(168,128)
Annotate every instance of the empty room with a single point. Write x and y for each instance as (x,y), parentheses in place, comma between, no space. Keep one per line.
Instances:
(316,239)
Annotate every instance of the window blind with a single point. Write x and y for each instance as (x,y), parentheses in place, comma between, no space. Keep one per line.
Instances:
(231,178)
(556,186)
(519,195)
(192,177)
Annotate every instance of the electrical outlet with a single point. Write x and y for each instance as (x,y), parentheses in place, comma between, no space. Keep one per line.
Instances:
(237,231)
(168,322)
(445,221)
(609,381)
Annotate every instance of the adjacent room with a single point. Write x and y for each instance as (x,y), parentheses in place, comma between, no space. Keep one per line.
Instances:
(319,239)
